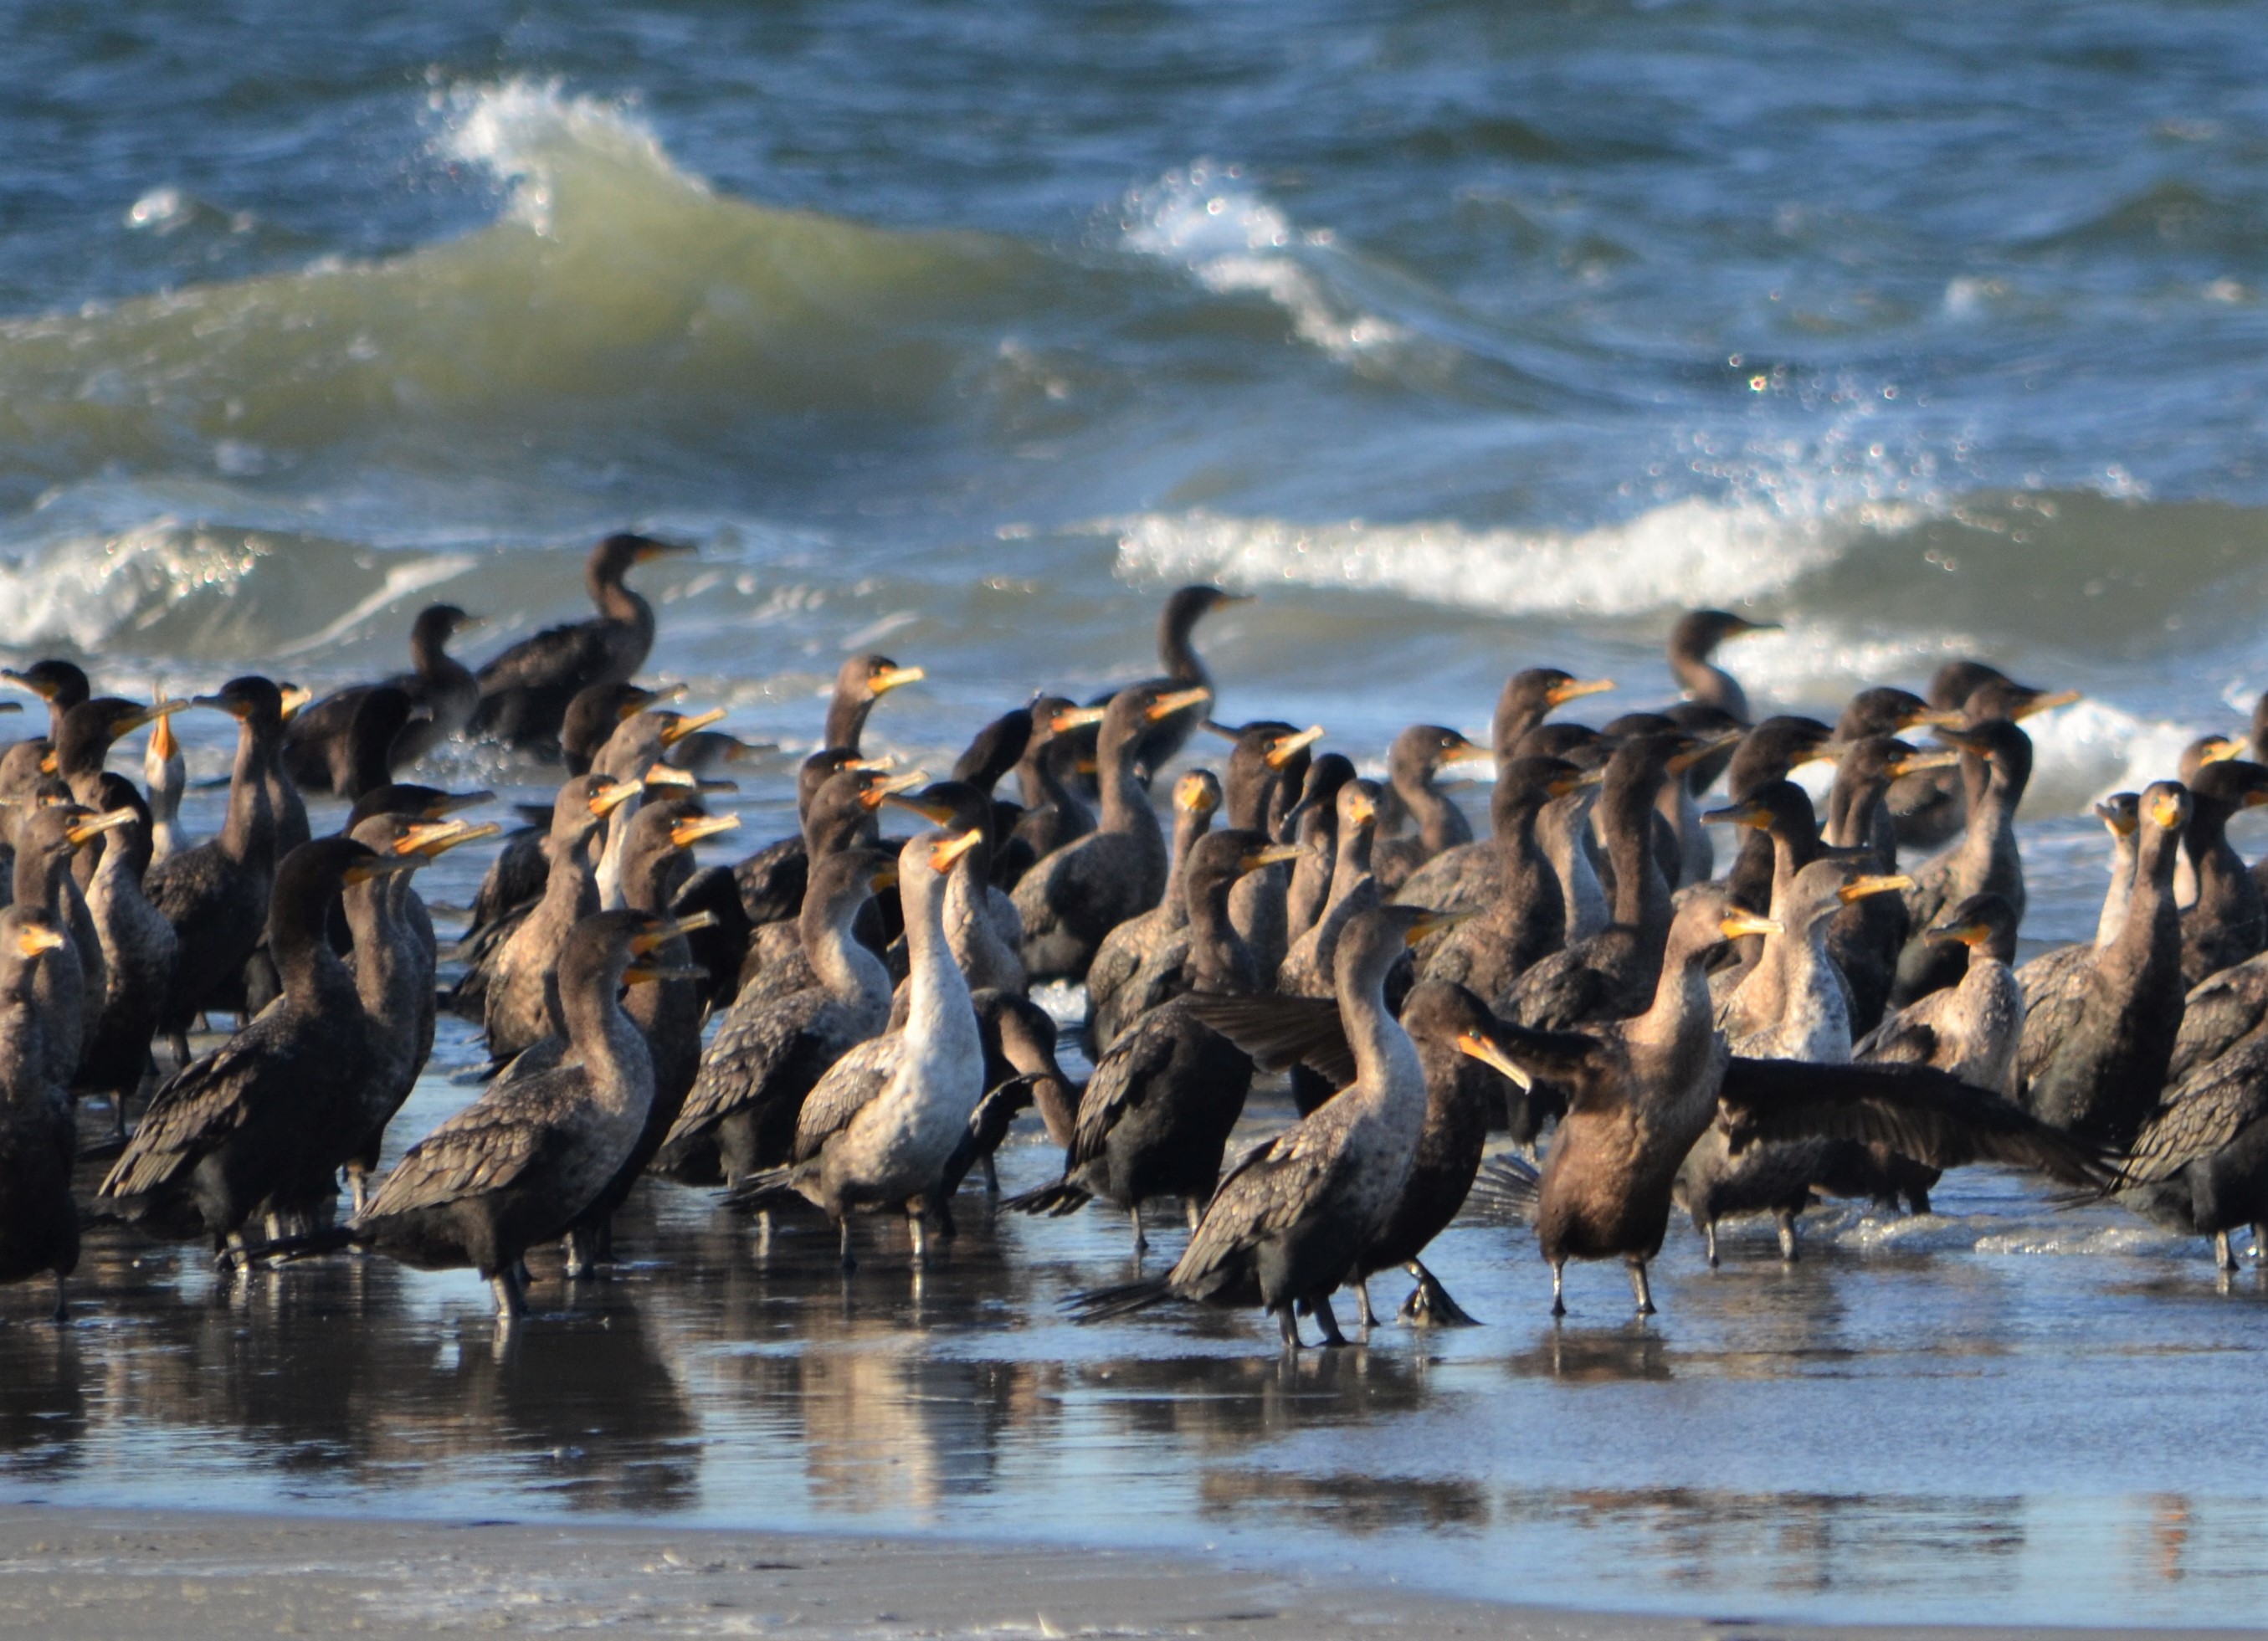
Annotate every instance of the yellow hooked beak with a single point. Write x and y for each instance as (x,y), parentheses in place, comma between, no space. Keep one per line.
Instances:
(86,831)
(935,814)
(1575,688)
(880,792)
(295,697)
(1680,762)
(944,853)
(642,699)
(156,713)
(891,677)
(47,765)
(435,838)
(1287,745)
(1560,786)
(1821,752)
(33,939)
(692,829)
(651,549)
(1431,924)
(1490,1053)
(668,929)
(1362,809)
(1861,888)
(886,876)
(1969,934)
(2041,703)
(1740,922)
(1268,856)
(1078,718)
(1924,760)
(607,799)
(1755,816)
(662,775)
(1461,751)
(1196,794)
(1179,701)
(161,739)
(674,733)
(2120,823)
(380,867)
(2168,811)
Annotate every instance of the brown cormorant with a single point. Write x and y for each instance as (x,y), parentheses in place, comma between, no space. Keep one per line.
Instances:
(38,1141)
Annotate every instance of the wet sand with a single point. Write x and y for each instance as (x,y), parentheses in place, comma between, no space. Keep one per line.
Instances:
(104,1573)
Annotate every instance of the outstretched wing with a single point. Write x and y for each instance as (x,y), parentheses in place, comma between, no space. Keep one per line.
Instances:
(2211,1107)
(1917,1110)
(1279,1031)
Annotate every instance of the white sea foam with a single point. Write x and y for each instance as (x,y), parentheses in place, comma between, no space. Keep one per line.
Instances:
(1685,553)
(1209,219)
(521,131)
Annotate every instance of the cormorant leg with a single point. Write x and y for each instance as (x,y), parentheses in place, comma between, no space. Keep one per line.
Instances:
(602,1242)
(1362,1304)
(1639,1286)
(948,1229)
(62,1313)
(1320,1308)
(118,1116)
(1558,1278)
(1918,1202)
(578,1256)
(1787,1237)
(850,1260)
(1195,1209)
(991,1176)
(357,1191)
(2259,1243)
(764,1232)
(179,1040)
(2223,1259)
(511,1296)
(1141,1243)
(1287,1325)
(1709,1236)
(920,1232)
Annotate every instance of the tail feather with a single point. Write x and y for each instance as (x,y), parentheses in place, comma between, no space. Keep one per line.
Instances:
(1508,1187)
(765,1189)
(1062,1197)
(1102,1304)
(308,1244)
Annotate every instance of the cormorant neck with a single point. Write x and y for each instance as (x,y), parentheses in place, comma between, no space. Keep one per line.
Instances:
(2119,892)
(1176,650)
(1125,800)
(1220,960)
(849,972)
(248,834)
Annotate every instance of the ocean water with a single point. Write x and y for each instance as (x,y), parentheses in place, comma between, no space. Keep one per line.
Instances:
(1469,336)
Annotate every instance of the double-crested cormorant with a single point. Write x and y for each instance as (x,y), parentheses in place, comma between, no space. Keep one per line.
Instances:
(1185,670)
(512,1169)
(138,947)
(2055,982)
(980,924)
(1693,641)
(1996,762)
(1525,919)
(216,894)
(351,749)
(516,1007)
(60,684)
(2095,1069)
(1314,822)
(1971,1029)
(1793,1005)
(2228,924)
(1055,813)
(263,1123)
(859,682)
(38,1141)
(1267,771)
(1295,1218)
(1140,963)
(1072,898)
(2200,1165)
(880,1129)
(1020,1040)
(441,693)
(74,986)
(1309,969)
(1158,1110)
(526,689)
(164,777)
(843,815)
(1413,762)
(768,1051)
(393,964)
(1928,809)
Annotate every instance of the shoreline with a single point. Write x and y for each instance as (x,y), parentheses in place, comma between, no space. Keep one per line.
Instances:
(70,1570)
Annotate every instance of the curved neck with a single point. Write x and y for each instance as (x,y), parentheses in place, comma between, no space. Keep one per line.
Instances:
(2117,895)
(1219,956)
(603,1037)
(846,721)
(849,972)
(248,834)
(1125,800)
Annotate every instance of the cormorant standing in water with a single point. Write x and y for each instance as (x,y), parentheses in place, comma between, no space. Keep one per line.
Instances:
(39,1141)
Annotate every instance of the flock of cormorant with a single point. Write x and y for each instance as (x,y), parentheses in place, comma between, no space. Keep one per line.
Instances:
(1817,1019)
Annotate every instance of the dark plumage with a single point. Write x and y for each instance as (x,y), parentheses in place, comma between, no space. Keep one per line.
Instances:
(39,1141)
(526,689)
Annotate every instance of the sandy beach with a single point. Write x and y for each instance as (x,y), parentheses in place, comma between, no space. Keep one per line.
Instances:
(69,1572)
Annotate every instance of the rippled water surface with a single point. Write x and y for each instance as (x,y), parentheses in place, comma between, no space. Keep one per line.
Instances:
(1470,336)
